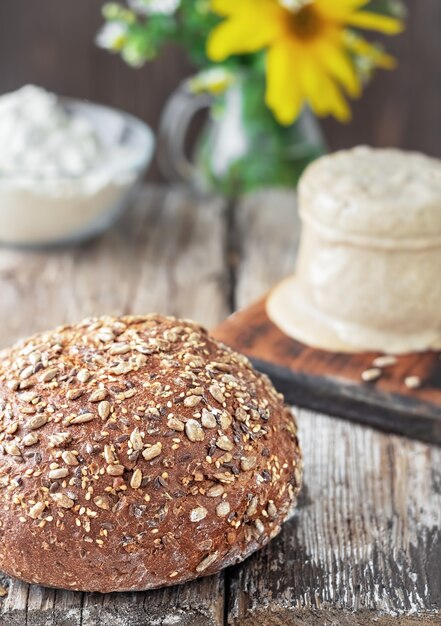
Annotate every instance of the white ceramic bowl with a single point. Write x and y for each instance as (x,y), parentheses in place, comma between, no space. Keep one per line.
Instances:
(67,210)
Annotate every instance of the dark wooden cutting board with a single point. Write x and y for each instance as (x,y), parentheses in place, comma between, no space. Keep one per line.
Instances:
(331,382)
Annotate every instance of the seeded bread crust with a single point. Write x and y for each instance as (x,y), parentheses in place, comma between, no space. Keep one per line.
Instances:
(138,452)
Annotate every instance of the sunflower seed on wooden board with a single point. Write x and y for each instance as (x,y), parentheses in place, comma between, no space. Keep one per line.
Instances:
(384,360)
(369,375)
(413,382)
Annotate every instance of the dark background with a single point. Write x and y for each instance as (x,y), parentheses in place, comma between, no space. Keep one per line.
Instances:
(51,43)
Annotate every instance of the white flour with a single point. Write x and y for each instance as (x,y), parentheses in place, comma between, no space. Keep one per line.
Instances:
(39,139)
(62,170)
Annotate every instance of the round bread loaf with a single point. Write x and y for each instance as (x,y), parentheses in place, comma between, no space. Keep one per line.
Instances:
(137,452)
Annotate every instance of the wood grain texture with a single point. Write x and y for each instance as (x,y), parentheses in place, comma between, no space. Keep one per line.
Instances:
(155,259)
(365,545)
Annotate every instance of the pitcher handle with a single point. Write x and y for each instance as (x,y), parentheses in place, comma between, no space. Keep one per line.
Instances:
(174,123)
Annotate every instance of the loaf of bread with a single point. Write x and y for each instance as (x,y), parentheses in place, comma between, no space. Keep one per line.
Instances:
(137,452)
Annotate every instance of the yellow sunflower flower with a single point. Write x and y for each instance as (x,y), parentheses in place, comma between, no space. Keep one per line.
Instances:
(308,57)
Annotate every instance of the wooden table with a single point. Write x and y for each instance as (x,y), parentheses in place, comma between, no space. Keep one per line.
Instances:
(365,545)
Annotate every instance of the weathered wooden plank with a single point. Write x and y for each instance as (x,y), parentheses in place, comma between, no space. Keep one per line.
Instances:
(365,544)
(169,255)
(198,603)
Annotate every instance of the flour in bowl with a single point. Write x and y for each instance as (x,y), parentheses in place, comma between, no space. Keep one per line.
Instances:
(65,166)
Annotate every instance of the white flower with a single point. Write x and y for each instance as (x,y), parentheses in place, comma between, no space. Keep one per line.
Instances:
(112,36)
(214,80)
(151,7)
